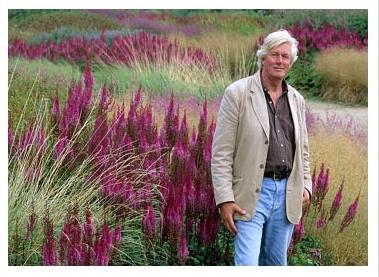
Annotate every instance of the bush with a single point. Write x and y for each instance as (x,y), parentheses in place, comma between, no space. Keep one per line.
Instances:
(304,77)
(354,20)
(27,24)
(346,75)
(309,251)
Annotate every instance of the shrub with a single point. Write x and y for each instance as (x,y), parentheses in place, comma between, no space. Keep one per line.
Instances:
(32,23)
(310,251)
(304,77)
(345,72)
(354,20)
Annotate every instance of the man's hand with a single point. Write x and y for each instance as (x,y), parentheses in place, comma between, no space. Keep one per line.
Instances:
(227,211)
(306,199)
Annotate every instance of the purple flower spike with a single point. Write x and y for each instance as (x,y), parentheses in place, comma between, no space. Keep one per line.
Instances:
(350,214)
(183,249)
(336,202)
(149,222)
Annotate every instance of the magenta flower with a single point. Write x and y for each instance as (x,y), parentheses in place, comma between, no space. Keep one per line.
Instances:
(49,255)
(298,232)
(350,214)
(321,222)
(183,249)
(116,235)
(149,222)
(337,201)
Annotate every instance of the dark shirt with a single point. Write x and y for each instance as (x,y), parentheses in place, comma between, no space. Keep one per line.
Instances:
(281,148)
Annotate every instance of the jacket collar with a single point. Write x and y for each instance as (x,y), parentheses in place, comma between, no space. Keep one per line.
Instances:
(260,106)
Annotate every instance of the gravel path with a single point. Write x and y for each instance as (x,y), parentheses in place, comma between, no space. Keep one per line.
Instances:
(359,113)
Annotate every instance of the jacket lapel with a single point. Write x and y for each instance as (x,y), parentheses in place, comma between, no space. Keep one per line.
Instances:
(259,103)
(294,111)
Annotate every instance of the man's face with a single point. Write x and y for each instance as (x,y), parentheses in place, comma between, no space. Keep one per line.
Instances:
(276,63)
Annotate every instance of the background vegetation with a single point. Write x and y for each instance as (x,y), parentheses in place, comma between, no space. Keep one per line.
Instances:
(224,43)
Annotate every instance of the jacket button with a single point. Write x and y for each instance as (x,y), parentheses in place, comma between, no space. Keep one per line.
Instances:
(266,142)
(261,166)
(257,190)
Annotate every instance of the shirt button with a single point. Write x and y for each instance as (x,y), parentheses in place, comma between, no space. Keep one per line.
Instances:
(283,161)
(261,166)
(276,116)
(278,131)
(281,145)
(257,190)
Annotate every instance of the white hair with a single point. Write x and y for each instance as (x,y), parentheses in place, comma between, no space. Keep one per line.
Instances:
(274,40)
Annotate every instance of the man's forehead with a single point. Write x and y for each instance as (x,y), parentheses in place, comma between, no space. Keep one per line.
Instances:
(282,47)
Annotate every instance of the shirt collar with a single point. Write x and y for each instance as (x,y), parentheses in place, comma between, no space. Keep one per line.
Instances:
(284,86)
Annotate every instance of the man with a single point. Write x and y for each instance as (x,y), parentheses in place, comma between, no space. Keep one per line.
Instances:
(260,158)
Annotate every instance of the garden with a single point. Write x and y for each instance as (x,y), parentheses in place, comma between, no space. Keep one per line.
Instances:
(111,115)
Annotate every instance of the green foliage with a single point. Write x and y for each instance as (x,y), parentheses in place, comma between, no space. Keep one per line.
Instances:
(20,14)
(345,74)
(309,251)
(117,78)
(230,21)
(304,77)
(355,20)
(359,24)
(66,33)
(34,23)
(33,82)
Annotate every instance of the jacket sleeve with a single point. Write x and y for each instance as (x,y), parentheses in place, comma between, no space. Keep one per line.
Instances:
(305,146)
(223,147)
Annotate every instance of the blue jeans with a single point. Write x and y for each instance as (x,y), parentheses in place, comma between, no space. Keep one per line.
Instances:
(264,240)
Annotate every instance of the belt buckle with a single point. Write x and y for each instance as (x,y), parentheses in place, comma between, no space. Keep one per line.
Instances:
(276,177)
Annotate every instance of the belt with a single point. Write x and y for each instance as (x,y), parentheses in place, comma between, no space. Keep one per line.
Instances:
(277,175)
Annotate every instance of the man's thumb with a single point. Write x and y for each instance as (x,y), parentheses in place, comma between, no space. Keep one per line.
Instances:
(240,211)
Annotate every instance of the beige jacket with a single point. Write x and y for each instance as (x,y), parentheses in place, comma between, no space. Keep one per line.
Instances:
(240,146)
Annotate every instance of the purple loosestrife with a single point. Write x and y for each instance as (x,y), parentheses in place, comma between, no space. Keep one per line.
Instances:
(350,214)
(299,231)
(88,229)
(171,125)
(149,223)
(117,133)
(183,249)
(72,237)
(103,246)
(209,217)
(321,186)
(100,141)
(324,37)
(183,132)
(49,255)
(172,220)
(31,224)
(116,235)
(322,220)
(63,242)
(337,201)
(297,235)
(132,124)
